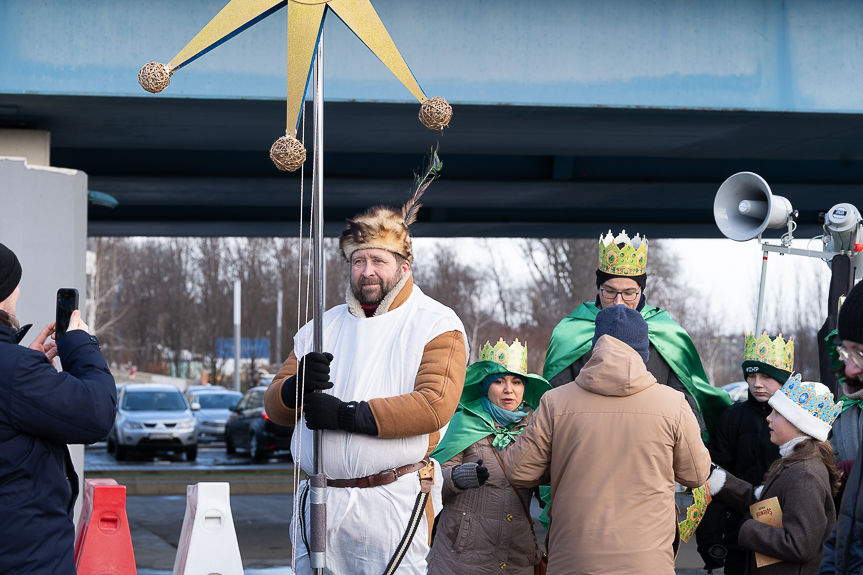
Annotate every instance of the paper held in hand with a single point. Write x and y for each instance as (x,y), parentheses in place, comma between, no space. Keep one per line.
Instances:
(769,513)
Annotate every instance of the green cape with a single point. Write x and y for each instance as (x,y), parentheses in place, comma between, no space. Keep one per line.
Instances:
(471,421)
(573,337)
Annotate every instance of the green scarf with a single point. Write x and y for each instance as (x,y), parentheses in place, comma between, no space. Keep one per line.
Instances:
(573,337)
(847,403)
(472,423)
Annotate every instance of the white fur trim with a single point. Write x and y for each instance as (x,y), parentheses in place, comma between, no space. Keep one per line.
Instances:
(799,417)
(716,481)
(758,491)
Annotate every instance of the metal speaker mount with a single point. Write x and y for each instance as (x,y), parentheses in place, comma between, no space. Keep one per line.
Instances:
(744,207)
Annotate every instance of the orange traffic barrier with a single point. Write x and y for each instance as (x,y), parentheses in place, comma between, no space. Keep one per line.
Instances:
(103,543)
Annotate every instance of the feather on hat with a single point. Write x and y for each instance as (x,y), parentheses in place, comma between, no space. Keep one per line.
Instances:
(386,228)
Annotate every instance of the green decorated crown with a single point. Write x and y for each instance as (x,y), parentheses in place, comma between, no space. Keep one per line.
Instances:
(776,352)
(512,357)
(630,260)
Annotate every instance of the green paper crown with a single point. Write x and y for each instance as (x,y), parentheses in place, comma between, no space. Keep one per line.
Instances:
(775,352)
(630,260)
(512,357)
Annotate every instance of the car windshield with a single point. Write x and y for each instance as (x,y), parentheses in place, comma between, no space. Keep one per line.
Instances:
(217,400)
(154,401)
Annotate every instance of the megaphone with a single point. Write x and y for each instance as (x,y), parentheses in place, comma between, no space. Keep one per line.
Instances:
(744,207)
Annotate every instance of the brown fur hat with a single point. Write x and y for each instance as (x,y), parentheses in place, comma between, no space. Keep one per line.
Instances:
(379,227)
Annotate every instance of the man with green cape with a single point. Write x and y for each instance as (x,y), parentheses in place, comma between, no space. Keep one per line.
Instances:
(620,280)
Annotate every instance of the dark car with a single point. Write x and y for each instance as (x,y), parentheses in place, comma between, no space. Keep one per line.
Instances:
(250,428)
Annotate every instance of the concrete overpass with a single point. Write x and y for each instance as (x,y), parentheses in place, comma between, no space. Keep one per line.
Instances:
(569,116)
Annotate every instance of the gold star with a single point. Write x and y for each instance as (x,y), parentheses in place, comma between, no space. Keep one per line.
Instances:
(305,22)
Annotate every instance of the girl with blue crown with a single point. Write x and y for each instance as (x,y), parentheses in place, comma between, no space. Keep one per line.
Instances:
(485,525)
(804,481)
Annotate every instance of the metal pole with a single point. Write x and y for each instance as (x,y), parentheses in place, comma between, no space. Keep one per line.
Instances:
(318,482)
(759,319)
(237,300)
(278,359)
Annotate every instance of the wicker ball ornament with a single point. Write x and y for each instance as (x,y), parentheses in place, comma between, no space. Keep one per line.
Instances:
(288,154)
(154,77)
(435,113)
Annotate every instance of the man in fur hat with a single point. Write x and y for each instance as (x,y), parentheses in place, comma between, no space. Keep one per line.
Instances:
(391,373)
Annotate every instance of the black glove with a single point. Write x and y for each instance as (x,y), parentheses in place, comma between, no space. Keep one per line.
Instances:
(470,475)
(313,371)
(324,411)
(714,558)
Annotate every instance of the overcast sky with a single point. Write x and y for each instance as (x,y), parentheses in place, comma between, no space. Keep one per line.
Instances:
(723,271)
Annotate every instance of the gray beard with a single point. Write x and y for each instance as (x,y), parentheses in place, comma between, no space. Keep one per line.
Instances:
(386,288)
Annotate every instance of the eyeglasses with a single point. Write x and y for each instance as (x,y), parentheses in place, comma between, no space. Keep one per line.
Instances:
(611,294)
(856,357)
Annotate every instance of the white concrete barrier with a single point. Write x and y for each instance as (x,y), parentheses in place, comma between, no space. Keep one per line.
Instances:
(208,543)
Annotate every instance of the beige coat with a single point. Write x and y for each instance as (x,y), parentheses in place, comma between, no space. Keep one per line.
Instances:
(480,530)
(612,443)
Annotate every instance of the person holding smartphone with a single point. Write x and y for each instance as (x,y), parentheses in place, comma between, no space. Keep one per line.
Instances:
(41,411)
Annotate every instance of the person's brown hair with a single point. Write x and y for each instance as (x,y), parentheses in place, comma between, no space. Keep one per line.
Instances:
(5,319)
(810,449)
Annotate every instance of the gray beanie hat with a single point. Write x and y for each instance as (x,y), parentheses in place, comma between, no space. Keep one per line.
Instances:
(625,324)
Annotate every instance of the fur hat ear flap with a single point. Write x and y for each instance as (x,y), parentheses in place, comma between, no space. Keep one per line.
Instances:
(379,227)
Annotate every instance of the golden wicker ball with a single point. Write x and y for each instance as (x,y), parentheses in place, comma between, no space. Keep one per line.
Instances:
(154,77)
(288,153)
(435,113)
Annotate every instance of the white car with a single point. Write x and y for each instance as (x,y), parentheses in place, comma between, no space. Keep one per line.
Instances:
(150,418)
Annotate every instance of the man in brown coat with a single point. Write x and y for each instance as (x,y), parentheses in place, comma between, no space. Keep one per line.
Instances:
(612,444)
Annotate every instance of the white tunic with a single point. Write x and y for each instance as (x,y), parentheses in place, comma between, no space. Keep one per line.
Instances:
(372,357)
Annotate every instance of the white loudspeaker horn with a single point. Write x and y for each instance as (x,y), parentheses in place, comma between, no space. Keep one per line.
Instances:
(744,207)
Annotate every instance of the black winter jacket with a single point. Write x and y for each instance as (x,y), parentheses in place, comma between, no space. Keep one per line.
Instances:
(741,445)
(843,550)
(41,411)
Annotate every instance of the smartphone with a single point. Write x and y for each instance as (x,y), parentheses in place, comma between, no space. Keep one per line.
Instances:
(67,302)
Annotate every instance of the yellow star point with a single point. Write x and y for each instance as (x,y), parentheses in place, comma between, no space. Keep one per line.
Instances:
(305,22)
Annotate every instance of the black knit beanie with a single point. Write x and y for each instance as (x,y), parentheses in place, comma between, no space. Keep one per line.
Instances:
(625,324)
(751,366)
(10,272)
(850,324)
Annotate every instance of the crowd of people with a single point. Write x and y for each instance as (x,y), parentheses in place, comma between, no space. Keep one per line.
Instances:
(432,464)
(621,415)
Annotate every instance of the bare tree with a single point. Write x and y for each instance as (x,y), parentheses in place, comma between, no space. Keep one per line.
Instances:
(460,287)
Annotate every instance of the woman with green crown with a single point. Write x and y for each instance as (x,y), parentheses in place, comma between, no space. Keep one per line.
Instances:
(485,525)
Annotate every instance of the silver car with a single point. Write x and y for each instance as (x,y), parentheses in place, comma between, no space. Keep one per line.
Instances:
(214,410)
(150,418)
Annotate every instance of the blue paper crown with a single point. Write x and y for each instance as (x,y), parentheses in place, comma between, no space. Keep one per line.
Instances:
(805,395)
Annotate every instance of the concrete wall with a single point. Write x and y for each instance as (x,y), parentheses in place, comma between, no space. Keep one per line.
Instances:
(44,214)
(805,55)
